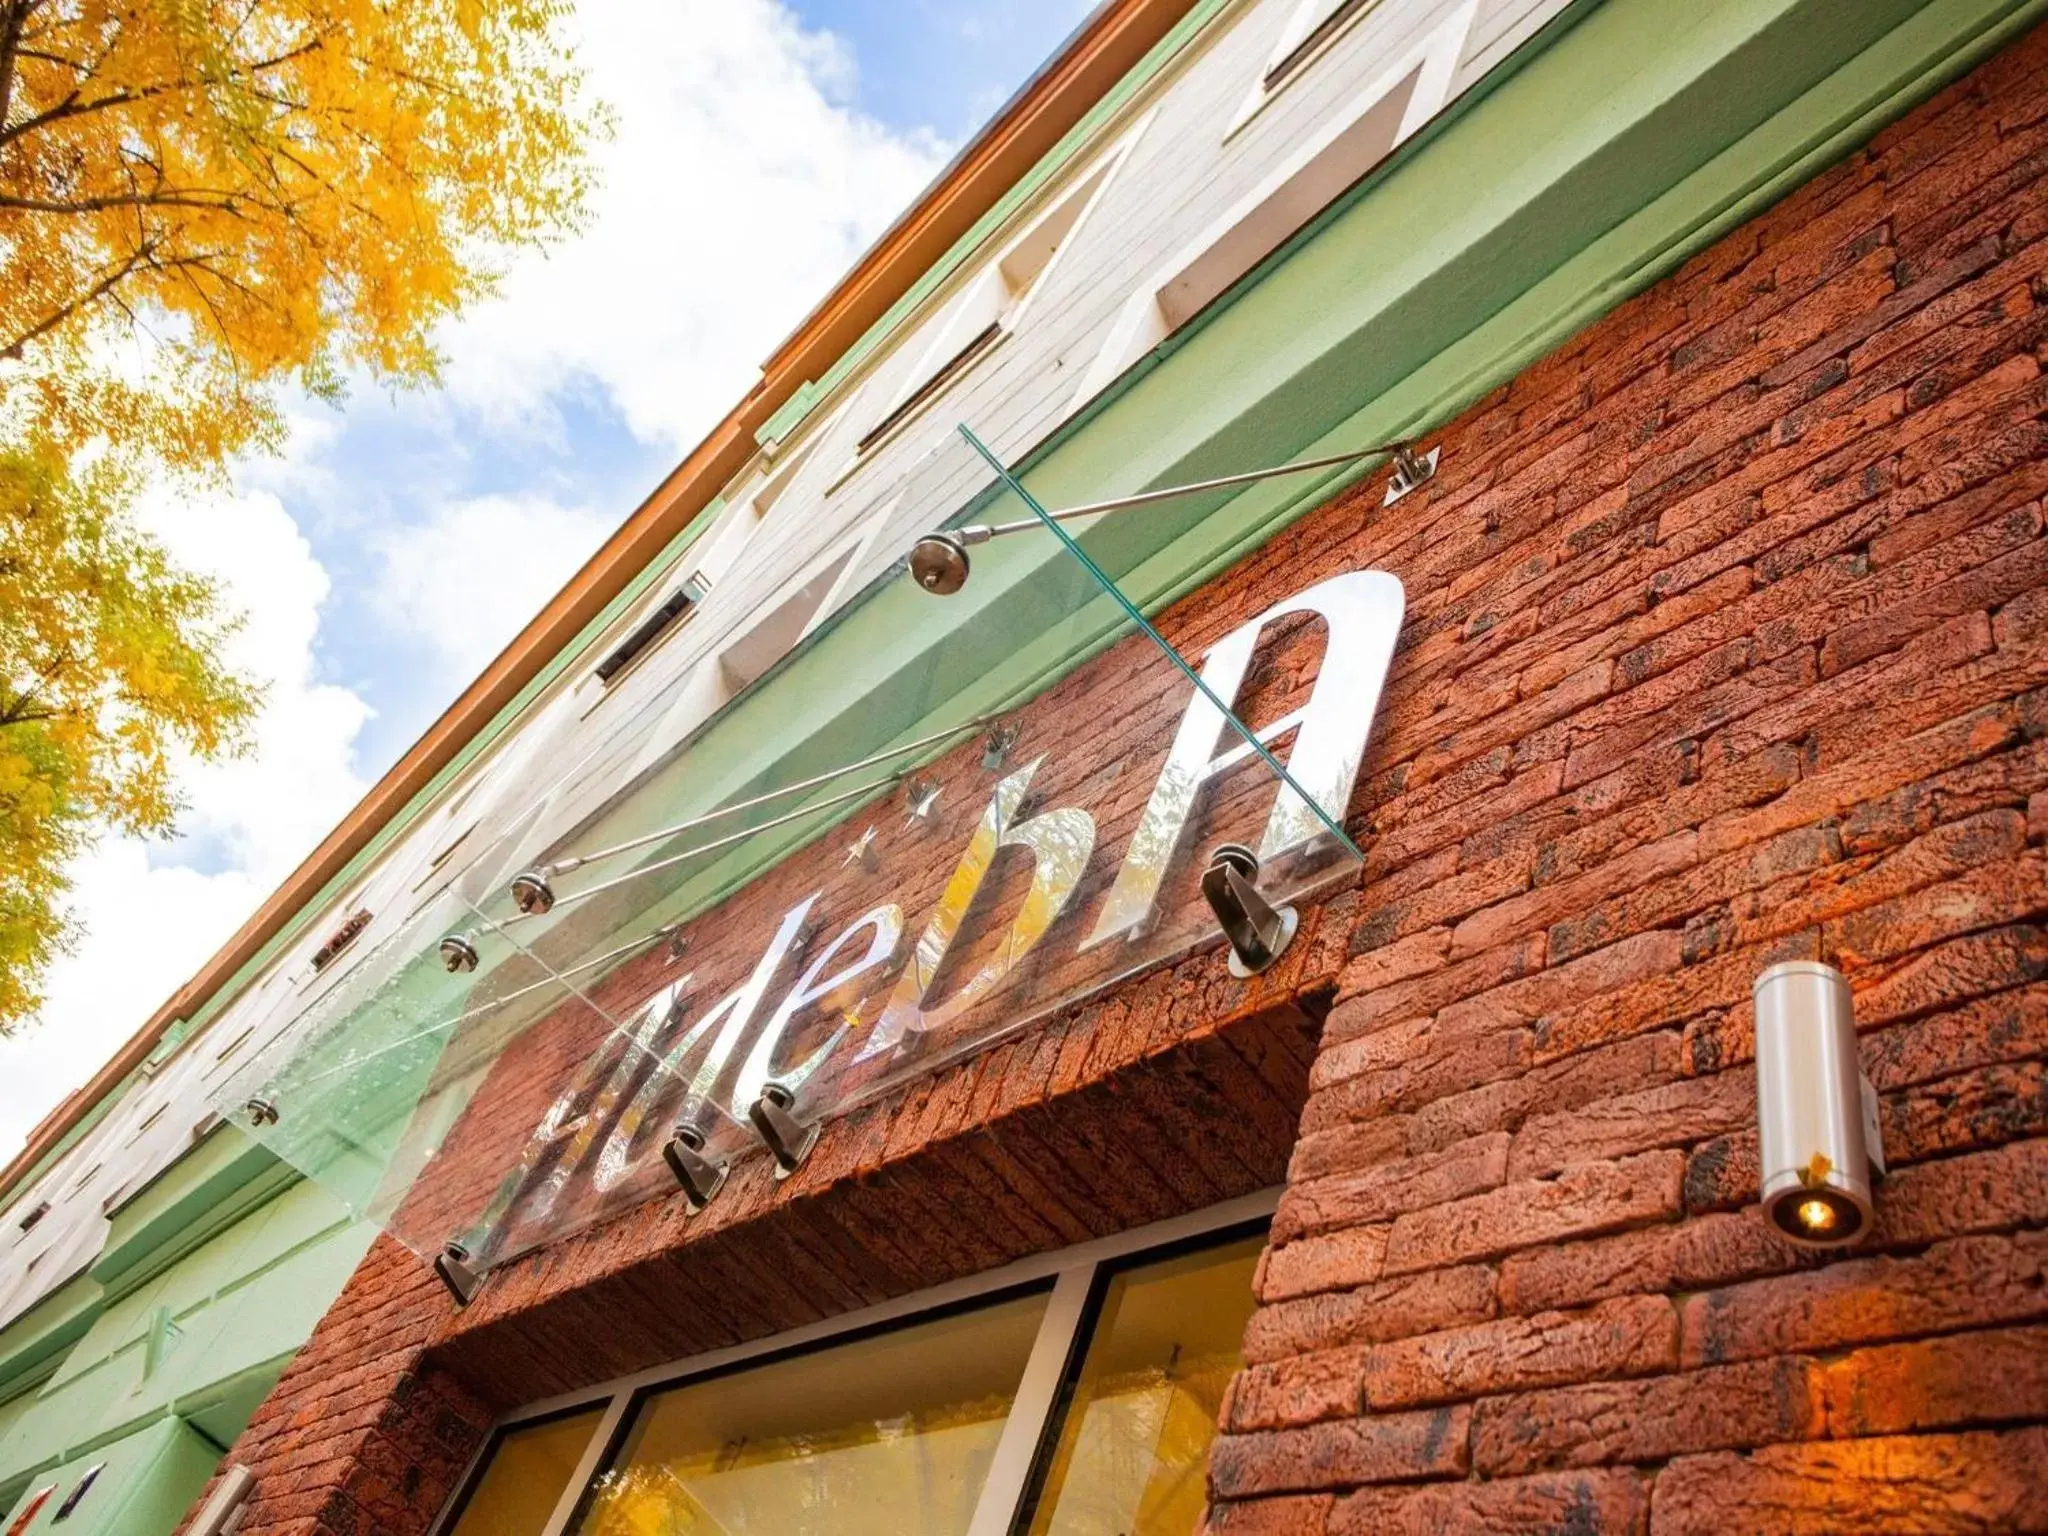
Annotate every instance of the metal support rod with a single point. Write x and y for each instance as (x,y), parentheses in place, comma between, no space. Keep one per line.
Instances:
(727,841)
(553,978)
(975,535)
(577,860)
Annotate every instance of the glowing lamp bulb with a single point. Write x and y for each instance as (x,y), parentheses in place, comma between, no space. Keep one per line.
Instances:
(1816,1215)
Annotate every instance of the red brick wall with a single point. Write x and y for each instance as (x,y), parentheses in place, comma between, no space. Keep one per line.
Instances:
(1727,641)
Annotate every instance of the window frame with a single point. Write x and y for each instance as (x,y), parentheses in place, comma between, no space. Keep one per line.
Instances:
(1077,1277)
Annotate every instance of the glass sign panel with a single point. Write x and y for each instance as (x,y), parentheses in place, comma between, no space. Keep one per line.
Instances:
(658,994)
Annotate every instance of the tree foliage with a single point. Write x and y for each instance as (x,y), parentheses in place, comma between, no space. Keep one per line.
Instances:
(203,202)
(109,669)
(270,188)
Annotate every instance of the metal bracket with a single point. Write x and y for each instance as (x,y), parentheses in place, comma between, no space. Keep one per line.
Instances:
(458,953)
(1411,470)
(790,1139)
(701,1177)
(921,799)
(995,748)
(1258,932)
(532,892)
(452,1268)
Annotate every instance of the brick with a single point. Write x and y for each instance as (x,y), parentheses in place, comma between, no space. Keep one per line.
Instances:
(1292,1515)
(1708,1251)
(1440,1068)
(1562,1085)
(1336,1262)
(1384,1192)
(1984,898)
(1932,1485)
(1969,1282)
(1728,1407)
(1387,1309)
(1357,1013)
(1385,1448)
(1594,1503)
(1580,1202)
(1957,1381)
(1991,1191)
(1323,1384)
(1675,1114)
(1629,1336)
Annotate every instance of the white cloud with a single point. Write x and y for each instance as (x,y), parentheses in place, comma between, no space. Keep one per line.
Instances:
(467,580)
(738,187)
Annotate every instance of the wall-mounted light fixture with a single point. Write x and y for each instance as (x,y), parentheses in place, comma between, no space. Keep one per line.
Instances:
(939,561)
(790,1139)
(1816,1112)
(702,1177)
(1259,933)
(452,1268)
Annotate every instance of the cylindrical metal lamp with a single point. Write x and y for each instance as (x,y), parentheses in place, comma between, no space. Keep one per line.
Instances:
(1816,1121)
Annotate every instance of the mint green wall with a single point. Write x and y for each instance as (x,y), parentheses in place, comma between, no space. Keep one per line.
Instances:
(199,1341)
(148,1480)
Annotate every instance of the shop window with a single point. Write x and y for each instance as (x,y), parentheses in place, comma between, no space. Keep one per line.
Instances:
(1132,1451)
(1407,94)
(524,1476)
(891,1435)
(1077,1393)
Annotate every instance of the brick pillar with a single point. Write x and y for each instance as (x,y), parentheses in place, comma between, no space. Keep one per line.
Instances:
(1728,643)
(361,1437)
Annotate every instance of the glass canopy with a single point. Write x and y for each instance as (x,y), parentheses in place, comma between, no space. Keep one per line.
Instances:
(832,889)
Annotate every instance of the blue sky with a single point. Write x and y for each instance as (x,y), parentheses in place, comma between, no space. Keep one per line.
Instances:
(393,547)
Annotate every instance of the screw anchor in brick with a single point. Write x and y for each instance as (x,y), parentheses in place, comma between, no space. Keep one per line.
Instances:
(1411,469)
(921,802)
(995,748)
(1259,933)
(702,1177)
(452,1268)
(790,1139)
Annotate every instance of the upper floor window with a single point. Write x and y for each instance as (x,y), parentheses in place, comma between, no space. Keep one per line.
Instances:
(1357,137)
(992,303)
(1314,25)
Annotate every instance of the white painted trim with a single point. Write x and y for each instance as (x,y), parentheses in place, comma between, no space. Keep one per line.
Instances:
(1009,1470)
(587,1465)
(1307,16)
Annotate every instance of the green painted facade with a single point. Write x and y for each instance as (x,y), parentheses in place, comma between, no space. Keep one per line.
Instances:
(1628,137)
